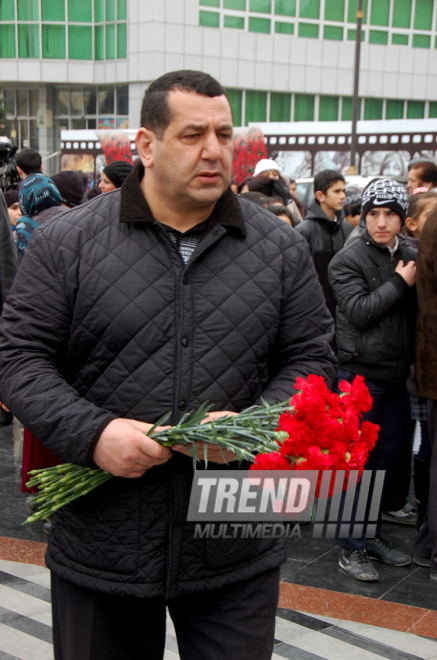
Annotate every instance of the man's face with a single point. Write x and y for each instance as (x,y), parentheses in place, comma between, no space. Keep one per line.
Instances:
(334,197)
(415,181)
(192,162)
(383,224)
(292,189)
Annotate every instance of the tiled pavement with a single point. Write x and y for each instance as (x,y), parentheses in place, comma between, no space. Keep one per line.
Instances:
(338,619)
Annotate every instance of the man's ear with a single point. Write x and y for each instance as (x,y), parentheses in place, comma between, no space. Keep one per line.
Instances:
(145,141)
(21,174)
(319,196)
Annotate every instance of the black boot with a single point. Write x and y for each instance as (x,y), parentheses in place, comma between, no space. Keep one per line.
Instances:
(421,487)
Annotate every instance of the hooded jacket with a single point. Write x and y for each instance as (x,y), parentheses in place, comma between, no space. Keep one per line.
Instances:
(376,309)
(116,325)
(325,237)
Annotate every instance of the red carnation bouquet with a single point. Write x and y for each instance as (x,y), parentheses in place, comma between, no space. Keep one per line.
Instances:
(322,430)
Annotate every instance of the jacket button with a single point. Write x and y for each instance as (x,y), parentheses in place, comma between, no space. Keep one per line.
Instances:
(216,231)
(185,342)
(182,405)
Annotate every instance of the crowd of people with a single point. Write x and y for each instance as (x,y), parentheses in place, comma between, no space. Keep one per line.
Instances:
(176,289)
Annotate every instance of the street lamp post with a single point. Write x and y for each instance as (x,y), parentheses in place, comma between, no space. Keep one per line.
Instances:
(354,138)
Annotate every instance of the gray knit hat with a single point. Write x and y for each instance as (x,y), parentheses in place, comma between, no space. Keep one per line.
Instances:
(386,192)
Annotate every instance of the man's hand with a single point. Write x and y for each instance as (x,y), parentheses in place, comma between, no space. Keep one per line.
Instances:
(125,450)
(408,272)
(215,455)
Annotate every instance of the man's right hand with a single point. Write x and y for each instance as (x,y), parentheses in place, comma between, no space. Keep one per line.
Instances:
(408,272)
(125,450)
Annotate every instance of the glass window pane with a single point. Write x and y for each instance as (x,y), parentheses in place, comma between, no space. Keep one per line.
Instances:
(256,106)
(352,35)
(234,22)
(7,10)
(28,10)
(309,8)
(380,12)
(333,32)
(90,98)
(53,10)
(259,25)
(378,37)
(285,7)
(92,124)
(309,30)
(394,109)
(415,110)
(121,10)
(421,41)
(303,107)
(402,13)
(7,40)
(372,108)
(262,6)
(210,3)
(99,11)
(78,124)
(209,19)
(121,40)
(234,4)
(33,102)
(80,12)
(110,41)
(22,109)
(33,134)
(80,42)
(110,10)
(106,100)
(53,41)
(9,101)
(99,42)
(235,99)
(28,41)
(62,99)
(280,107)
(334,10)
(346,108)
(400,39)
(76,102)
(423,15)
(433,109)
(284,28)
(352,11)
(328,108)
(122,100)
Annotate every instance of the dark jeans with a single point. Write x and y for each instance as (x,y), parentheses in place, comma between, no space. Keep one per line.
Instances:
(426,542)
(388,411)
(236,621)
(397,486)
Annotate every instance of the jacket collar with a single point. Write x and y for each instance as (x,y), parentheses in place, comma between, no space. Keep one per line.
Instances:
(134,206)
(316,213)
(402,243)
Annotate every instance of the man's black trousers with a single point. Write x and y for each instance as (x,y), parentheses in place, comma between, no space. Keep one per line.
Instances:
(237,621)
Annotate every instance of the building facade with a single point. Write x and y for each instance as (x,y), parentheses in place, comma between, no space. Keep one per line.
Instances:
(73,64)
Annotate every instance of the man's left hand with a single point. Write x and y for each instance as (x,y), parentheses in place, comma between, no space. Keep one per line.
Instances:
(215,455)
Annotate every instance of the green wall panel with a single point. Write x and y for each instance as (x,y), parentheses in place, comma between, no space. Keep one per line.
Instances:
(80,42)
(352,11)
(99,42)
(433,109)
(399,39)
(53,41)
(280,106)
(256,106)
(260,6)
(303,107)
(110,10)
(259,25)
(121,40)
(235,97)
(209,19)
(235,4)
(53,10)
(421,41)
(28,40)
(7,40)
(309,9)
(423,15)
(309,30)
(121,10)
(110,41)
(402,13)
(415,110)
(210,3)
(285,7)
(372,108)
(79,12)
(7,10)
(394,109)
(333,32)
(380,12)
(334,10)
(28,10)
(99,11)
(378,37)
(234,22)
(328,108)
(284,28)
(346,108)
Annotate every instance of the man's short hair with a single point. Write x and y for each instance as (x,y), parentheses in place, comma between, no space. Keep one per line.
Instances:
(29,160)
(156,113)
(325,179)
(427,172)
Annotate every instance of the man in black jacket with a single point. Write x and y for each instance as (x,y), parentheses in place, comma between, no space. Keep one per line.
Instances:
(324,227)
(153,298)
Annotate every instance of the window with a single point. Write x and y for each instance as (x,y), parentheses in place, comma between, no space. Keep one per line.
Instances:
(402,13)
(259,25)
(209,19)
(284,28)
(235,99)
(234,22)
(400,39)
(256,106)
(28,40)
(280,106)
(110,10)
(328,108)
(7,40)
(415,110)
(380,12)
(121,10)
(310,30)
(421,41)
(352,35)
(90,99)
(28,10)
(53,41)
(303,107)
(106,100)
(309,8)
(79,42)
(235,4)
(110,41)
(285,7)
(7,10)
(346,108)
(334,10)
(99,11)
(333,32)
(22,106)
(394,109)
(121,40)
(122,100)
(378,37)
(423,15)
(372,108)
(99,42)
(53,10)
(352,11)
(260,6)
(210,3)
(79,12)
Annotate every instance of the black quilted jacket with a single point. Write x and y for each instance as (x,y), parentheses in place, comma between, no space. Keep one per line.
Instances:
(105,321)
(376,309)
